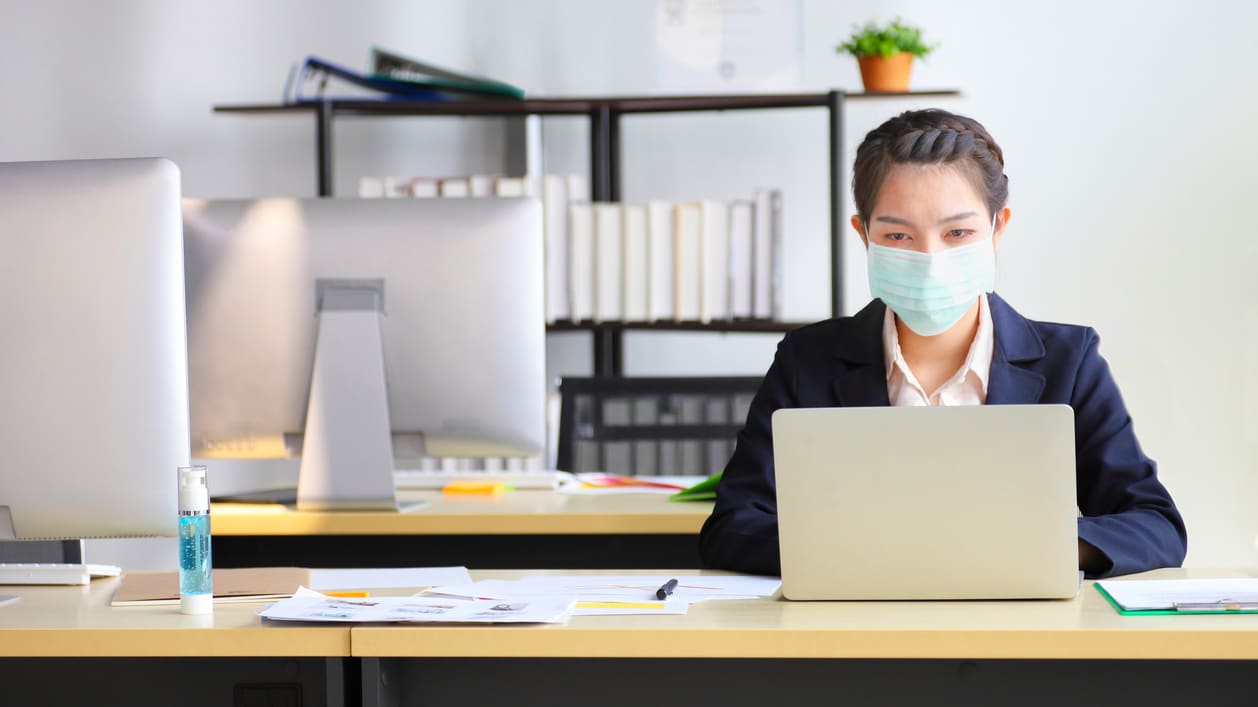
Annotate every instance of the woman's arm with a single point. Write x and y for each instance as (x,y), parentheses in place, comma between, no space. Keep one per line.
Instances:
(742,532)
(1128,516)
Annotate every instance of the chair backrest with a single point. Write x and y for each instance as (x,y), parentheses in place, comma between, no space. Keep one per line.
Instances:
(651,426)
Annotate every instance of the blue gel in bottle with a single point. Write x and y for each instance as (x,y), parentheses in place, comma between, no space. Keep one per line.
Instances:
(196,591)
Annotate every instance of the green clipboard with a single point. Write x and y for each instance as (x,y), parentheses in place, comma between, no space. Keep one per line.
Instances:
(1168,612)
(703,491)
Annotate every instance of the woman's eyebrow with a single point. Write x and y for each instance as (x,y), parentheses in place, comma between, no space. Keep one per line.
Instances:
(895,220)
(957,217)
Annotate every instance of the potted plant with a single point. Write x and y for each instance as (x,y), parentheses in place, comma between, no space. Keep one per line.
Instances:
(885,54)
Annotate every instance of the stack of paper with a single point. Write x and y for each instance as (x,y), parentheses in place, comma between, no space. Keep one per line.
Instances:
(1180,596)
(628,594)
(309,605)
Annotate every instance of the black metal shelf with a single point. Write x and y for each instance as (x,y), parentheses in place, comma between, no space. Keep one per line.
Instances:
(604,114)
(722,326)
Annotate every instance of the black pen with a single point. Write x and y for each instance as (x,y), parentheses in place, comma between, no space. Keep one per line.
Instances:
(667,589)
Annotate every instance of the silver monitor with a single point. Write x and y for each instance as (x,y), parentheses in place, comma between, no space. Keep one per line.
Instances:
(361,333)
(93,371)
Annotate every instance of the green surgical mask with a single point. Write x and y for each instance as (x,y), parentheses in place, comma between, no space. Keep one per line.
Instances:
(931,291)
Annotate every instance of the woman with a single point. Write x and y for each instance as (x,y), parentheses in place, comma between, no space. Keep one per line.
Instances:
(931,208)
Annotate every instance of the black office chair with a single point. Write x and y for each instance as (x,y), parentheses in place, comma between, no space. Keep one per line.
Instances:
(651,426)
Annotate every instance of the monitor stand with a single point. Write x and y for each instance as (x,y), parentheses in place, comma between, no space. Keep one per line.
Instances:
(347,452)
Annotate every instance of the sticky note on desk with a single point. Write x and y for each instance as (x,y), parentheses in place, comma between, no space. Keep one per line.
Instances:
(492,488)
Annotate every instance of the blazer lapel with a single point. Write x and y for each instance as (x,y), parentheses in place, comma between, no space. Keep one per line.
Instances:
(1016,343)
(864,380)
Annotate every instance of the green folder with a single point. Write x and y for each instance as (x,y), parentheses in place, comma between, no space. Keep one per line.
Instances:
(703,491)
(1166,612)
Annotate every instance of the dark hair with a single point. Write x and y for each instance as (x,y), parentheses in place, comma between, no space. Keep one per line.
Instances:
(930,137)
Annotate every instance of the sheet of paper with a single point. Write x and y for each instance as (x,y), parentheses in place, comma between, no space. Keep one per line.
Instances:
(1153,594)
(387,577)
(309,605)
(620,588)
(728,47)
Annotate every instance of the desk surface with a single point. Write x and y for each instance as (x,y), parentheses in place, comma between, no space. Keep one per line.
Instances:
(77,621)
(1084,627)
(523,512)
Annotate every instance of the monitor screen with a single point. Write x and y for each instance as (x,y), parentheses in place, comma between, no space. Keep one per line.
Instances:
(94,409)
(419,321)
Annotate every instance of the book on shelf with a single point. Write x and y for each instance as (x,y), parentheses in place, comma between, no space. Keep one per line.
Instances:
(775,255)
(482,184)
(741,223)
(763,255)
(687,262)
(608,255)
(392,66)
(581,260)
(392,78)
(714,249)
(455,187)
(555,224)
(661,249)
(636,256)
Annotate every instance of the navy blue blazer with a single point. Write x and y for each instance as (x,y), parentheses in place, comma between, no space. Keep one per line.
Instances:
(1127,513)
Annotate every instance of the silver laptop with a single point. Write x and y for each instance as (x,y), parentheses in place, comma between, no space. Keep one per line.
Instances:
(970,502)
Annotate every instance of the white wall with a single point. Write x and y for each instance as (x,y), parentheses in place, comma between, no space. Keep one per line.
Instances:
(1129,169)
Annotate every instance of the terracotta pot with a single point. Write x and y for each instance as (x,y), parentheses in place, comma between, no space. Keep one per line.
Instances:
(880,73)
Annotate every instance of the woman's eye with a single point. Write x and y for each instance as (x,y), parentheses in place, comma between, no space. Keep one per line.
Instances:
(896,236)
(959,233)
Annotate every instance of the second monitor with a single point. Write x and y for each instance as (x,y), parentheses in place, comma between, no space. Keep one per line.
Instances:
(358,332)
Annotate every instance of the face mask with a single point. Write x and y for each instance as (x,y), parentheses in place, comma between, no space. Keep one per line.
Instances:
(931,291)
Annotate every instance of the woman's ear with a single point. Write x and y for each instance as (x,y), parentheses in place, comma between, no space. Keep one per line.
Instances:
(1002,221)
(858,226)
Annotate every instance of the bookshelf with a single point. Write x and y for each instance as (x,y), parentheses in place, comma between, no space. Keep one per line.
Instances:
(605,115)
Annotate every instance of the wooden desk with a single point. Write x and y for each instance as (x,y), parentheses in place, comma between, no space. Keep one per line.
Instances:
(735,653)
(66,645)
(517,530)
(758,653)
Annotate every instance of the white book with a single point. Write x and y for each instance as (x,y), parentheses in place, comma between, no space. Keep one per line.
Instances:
(509,186)
(687,262)
(660,301)
(481,185)
(532,186)
(555,223)
(608,268)
(741,226)
(762,257)
(455,187)
(425,188)
(581,260)
(775,254)
(371,188)
(714,243)
(578,188)
(395,188)
(636,260)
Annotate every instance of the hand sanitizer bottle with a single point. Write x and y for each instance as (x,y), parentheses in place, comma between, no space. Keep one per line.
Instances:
(196,593)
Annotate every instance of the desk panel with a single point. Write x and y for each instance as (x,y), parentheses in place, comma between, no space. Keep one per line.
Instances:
(520,529)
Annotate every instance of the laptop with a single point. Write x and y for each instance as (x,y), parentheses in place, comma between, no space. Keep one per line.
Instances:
(888,503)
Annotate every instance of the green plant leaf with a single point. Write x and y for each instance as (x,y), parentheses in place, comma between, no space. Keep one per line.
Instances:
(886,40)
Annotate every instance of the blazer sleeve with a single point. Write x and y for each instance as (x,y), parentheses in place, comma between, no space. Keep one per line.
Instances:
(1127,513)
(742,532)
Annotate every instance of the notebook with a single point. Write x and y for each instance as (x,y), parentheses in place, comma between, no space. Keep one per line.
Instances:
(888,503)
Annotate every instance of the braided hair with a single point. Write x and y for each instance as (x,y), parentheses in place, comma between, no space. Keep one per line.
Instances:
(930,137)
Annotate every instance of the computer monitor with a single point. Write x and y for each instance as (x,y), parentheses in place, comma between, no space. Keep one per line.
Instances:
(93,369)
(363,333)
